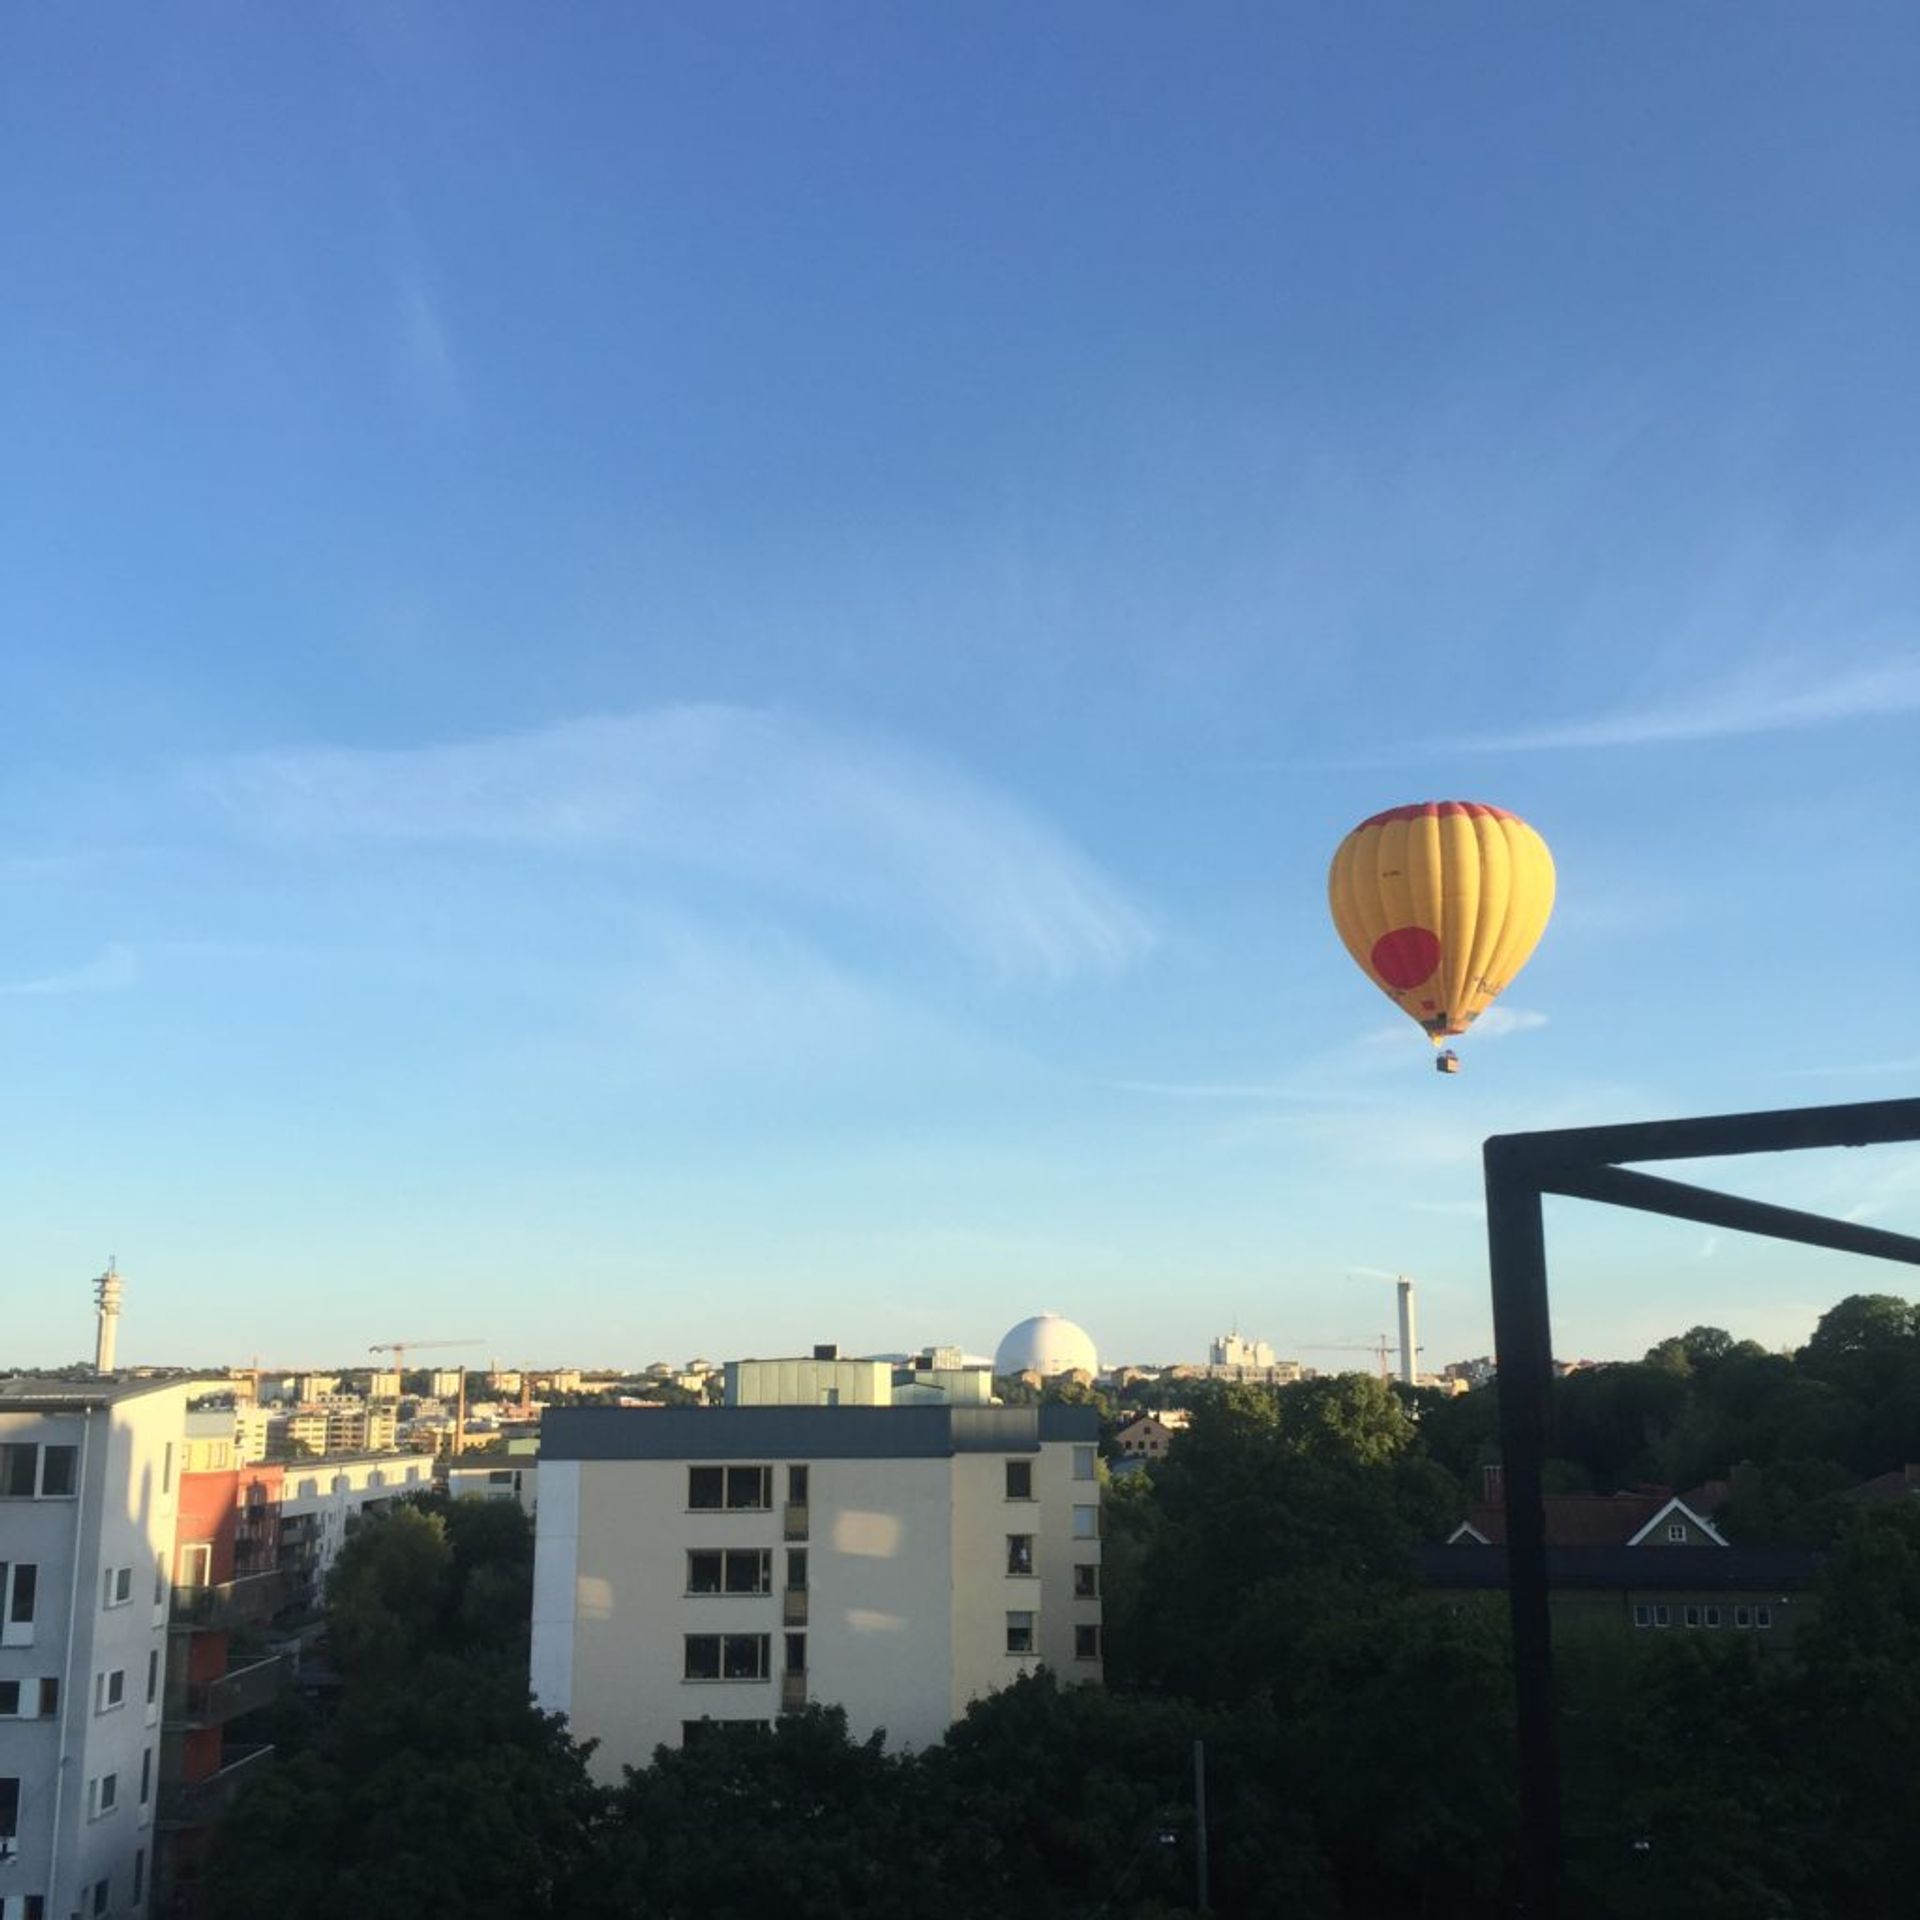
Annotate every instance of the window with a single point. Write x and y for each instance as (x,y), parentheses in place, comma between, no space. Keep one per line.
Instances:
(750,1489)
(728,1656)
(116,1586)
(1743,1616)
(139,1875)
(19,1471)
(103,1793)
(1083,1463)
(1763,1617)
(1677,1530)
(1643,1616)
(1663,1616)
(109,1690)
(1019,1479)
(736,1489)
(1020,1553)
(1019,1633)
(57,1472)
(153,1676)
(19,1586)
(737,1570)
(102,1895)
(1713,1616)
(49,1697)
(9,1699)
(797,1485)
(1086,1580)
(166,1470)
(797,1569)
(146,1775)
(1086,1523)
(796,1653)
(194,1565)
(1693,1616)
(1086,1643)
(9,1807)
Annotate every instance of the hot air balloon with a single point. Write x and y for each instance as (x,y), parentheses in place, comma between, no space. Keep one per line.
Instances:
(1440,904)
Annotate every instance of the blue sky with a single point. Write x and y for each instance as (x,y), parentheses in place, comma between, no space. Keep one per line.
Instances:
(678,680)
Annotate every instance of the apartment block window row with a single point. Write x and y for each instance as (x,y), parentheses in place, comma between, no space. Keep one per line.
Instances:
(1020,1555)
(729,1656)
(110,1690)
(103,1795)
(730,1489)
(1020,1633)
(736,1570)
(116,1586)
(692,1732)
(1019,1479)
(32,1472)
(1086,1642)
(29,1699)
(1086,1580)
(1659,1614)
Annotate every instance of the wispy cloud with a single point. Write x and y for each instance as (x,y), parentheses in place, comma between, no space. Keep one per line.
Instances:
(107,972)
(427,362)
(750,794)
(1769,702)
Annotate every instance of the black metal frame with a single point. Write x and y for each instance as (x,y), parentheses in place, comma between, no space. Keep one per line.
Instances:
(1584,1163)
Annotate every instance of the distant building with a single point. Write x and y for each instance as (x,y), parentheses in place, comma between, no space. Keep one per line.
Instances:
(1147,1436)
(1046,1346)
(321,1504)
(1645,1559)
(89,1496)
(1230,1350)
(727,1565)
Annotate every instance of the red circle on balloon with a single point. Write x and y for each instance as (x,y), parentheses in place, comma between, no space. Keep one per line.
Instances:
(1406,956)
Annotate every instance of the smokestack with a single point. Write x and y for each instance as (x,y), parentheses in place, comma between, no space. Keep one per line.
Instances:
(1409,1343)
(106,1300)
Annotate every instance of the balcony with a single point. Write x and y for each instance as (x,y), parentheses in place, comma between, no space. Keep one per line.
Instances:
(198,1803)
(212,1703)
(796,1519)
(793,1607)
(231,1603)
(793,1691)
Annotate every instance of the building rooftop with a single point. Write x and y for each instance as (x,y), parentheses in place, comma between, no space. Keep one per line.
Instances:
(43,1393)
(807,1433)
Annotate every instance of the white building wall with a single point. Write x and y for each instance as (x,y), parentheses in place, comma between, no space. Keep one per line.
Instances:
(880,1604)
(908,1593)
(121,1522)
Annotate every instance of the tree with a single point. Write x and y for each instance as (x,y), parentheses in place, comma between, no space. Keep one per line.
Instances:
(388,1590)
(438,1791)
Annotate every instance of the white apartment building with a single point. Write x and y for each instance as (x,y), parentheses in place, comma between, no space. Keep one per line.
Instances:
(89,1490)
(727,1564)
(321,1502)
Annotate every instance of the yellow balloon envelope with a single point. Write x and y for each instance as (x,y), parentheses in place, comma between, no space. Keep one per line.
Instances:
(1440,904)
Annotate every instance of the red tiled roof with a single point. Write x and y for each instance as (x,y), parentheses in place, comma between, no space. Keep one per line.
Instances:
(1887,1486)
(1578,1519)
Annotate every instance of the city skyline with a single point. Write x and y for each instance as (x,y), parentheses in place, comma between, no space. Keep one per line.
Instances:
(699,674)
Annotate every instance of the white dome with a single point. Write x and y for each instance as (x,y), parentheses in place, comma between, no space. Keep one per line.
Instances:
(1046,1345)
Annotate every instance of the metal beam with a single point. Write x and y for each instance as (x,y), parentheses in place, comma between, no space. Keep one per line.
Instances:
(1867,1123)
(1648,1193)
(1523,1344)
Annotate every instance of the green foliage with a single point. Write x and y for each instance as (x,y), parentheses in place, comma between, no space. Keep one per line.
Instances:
(387,1590)
(441,1792)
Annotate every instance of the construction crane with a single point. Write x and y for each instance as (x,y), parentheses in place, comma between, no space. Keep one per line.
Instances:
(1381,1349)
(401,1348)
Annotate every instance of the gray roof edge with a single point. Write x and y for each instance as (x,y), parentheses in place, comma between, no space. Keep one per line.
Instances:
(805,1433)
